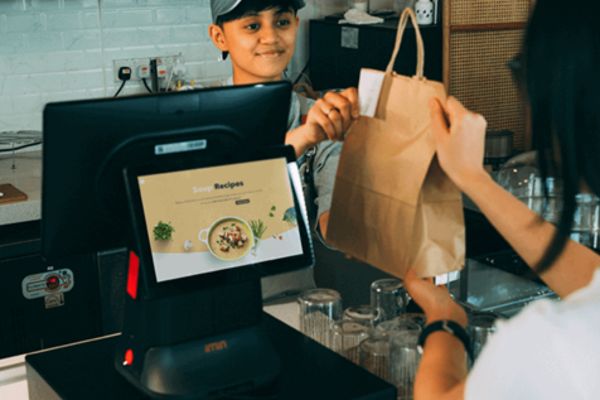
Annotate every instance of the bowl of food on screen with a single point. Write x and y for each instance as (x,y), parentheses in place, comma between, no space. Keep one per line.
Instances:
(228,238)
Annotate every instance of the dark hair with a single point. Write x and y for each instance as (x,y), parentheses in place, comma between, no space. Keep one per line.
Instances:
(248,6)
(561,78)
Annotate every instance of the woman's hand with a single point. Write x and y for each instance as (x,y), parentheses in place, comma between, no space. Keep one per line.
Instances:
(331,116)
(460,139)
(435,301)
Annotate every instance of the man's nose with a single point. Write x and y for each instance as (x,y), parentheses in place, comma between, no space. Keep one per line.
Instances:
(269,34)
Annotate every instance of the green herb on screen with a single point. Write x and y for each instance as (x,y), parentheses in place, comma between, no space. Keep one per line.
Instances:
(163,231)
(258,228)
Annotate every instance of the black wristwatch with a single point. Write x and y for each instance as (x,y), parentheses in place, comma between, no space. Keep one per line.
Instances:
(452,328)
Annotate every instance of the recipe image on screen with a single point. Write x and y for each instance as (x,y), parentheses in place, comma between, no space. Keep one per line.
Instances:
(211,219)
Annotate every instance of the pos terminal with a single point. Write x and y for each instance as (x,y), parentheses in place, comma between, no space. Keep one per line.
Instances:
(214,202)
(207,225)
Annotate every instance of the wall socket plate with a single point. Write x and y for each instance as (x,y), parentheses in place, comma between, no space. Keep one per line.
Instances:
(136,64)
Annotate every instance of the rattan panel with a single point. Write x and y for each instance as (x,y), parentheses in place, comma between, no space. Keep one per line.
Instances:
(480,78)
(468,12)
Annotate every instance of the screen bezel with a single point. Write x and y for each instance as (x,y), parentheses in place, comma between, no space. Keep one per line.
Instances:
(182,162)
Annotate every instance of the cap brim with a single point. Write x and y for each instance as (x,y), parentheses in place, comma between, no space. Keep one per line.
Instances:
(222,11)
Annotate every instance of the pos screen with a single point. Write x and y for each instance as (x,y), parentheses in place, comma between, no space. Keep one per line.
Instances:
(202,219)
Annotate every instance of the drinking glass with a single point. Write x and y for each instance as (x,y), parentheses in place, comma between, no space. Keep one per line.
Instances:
(374,355)
(364,314)
(417,318)
(586,220)
(481,326)
(397,326)
(390,296)
(405,356)
(346,337)
(319,308)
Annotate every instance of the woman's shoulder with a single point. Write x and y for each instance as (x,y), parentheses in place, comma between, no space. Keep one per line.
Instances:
(551,347)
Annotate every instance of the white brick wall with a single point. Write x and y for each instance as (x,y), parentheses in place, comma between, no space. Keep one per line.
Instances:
(53,50)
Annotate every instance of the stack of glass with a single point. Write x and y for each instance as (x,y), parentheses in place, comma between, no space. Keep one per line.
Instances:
(319,309)
(523,180)
(381,337)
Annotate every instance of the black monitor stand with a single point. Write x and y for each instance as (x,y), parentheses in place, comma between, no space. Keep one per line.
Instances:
(206,343)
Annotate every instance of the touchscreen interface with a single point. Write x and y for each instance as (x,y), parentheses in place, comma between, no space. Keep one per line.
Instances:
(215,218)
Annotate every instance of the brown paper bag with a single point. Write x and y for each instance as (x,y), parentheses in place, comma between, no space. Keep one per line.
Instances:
(393,207)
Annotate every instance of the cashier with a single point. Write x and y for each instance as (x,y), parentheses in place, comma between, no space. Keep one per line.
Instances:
(551,350)
(259,36)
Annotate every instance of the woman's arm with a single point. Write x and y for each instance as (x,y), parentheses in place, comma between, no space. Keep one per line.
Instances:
(460,145)
(529,236)
(443,368)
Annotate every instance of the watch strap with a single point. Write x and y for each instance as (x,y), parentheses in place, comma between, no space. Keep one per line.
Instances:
(450,327)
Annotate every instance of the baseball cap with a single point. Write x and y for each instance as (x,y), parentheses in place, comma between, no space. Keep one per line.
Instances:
(222,7)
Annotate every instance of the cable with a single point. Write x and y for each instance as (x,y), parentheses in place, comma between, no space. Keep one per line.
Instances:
(124,75)
(20,147)
(120,88)
(301,72)
(146,85)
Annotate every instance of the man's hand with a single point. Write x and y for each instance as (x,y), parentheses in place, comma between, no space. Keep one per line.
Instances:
(328,119)
(332,115)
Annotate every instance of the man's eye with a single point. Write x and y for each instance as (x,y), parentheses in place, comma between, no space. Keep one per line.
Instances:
(253,26)
(283,22)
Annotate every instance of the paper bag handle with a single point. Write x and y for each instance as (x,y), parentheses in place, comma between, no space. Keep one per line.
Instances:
(406,14)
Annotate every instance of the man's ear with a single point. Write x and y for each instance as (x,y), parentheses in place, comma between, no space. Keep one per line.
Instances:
(218,37)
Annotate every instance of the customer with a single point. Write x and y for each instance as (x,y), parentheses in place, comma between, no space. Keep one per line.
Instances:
(260,38)
(551,350)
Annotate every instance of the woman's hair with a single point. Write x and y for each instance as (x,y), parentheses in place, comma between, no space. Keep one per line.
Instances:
(561,78)
(248,6)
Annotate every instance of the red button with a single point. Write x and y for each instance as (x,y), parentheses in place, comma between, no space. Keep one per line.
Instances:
(52,282)
(128,357)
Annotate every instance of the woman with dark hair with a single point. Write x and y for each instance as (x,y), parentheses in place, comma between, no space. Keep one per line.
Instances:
(551,350)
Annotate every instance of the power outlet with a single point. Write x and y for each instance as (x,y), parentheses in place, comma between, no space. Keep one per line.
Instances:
(140,66)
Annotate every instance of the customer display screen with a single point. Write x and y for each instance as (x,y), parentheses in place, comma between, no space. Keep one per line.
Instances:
(211,219)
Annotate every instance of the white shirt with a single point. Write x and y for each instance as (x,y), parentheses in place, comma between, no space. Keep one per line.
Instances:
(551,350)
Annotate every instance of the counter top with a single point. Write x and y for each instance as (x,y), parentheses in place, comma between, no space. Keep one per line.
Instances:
(13,379)
(27,177)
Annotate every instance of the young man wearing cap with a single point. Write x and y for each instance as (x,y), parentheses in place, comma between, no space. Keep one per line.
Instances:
(260,38)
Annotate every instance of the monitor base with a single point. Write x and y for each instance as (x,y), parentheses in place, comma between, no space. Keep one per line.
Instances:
(213,367)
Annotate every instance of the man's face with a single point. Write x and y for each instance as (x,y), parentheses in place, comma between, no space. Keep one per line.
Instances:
(260,45)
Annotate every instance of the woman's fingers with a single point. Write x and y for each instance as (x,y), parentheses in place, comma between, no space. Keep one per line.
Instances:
(439,122)
(418,288)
